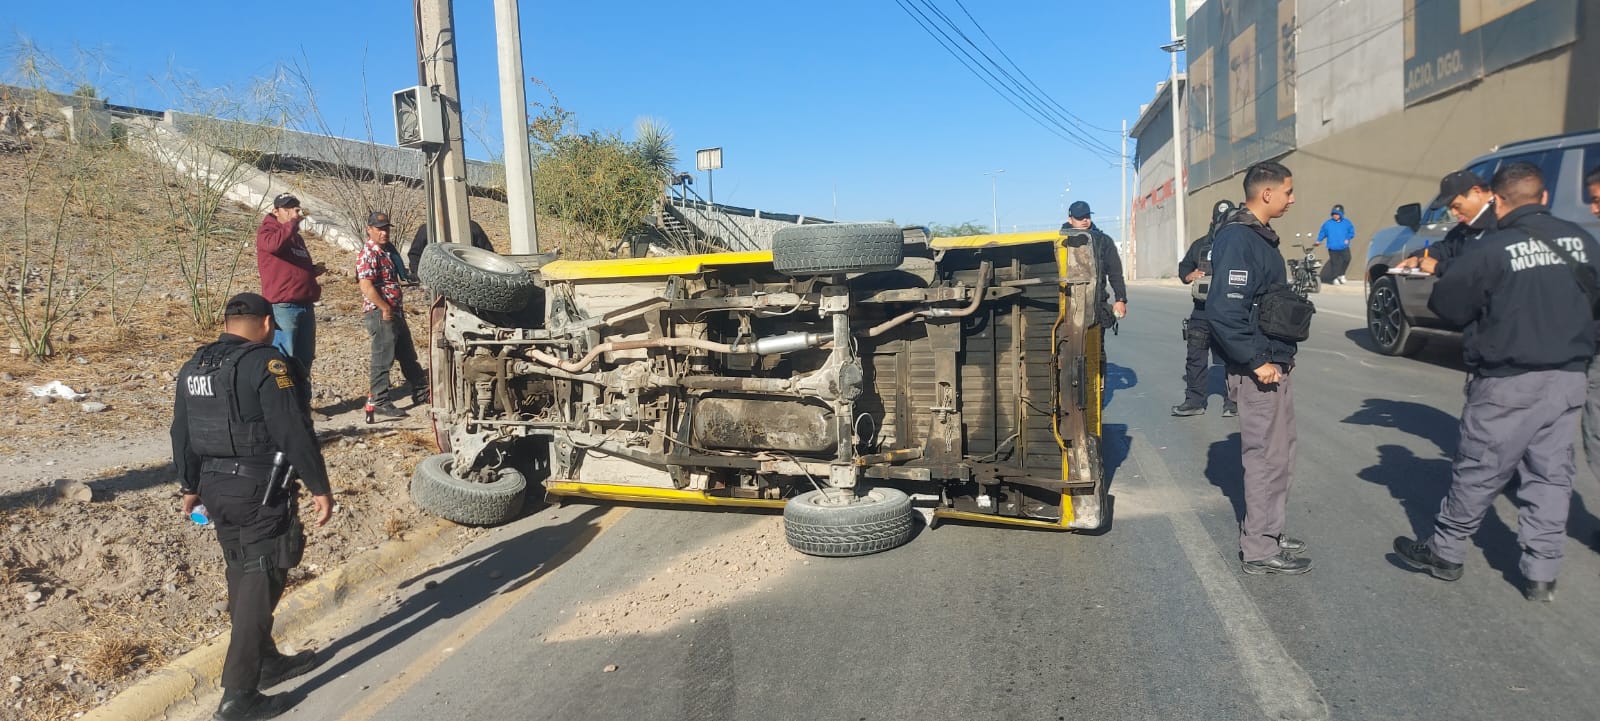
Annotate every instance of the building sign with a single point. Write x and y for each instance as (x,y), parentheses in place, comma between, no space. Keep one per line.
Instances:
(1450,44)
(1241,86)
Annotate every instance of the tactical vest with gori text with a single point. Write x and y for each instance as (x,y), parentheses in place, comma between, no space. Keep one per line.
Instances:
(216,428)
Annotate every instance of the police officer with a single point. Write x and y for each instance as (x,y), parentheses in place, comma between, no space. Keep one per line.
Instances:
(1196,264)
(237,404)
(1472,203)
(1248,265)
(1528,350)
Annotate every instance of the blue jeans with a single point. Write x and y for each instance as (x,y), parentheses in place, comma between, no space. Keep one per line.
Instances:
(296,336)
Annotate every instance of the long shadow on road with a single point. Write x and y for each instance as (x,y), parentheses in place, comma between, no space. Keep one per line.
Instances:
(1420,483)
(506,567)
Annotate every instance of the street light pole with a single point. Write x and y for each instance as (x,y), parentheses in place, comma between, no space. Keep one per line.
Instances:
(1180,192)
(994,198)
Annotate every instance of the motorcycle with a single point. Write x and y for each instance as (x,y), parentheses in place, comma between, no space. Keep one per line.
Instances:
(1305,274)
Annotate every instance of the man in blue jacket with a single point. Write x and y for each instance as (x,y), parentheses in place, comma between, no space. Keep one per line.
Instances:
(1337,231)
(1246,263)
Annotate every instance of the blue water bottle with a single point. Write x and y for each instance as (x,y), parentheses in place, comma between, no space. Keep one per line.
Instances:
(199,516)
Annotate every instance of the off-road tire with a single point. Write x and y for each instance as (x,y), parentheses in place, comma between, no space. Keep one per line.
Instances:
(879,520)
(475,278)
(832,248)
(436,490)
(1387,324)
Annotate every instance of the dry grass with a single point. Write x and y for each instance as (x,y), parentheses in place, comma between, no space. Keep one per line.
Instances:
(395,527)
(113,657)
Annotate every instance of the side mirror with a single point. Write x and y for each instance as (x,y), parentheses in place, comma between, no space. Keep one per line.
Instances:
(1409,215)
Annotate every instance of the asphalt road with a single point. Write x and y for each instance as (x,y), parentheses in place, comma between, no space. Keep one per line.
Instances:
(1149,621)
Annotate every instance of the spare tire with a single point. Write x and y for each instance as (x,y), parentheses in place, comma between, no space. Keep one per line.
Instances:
(475,278)
(436,490)
(831,248)
(817,525)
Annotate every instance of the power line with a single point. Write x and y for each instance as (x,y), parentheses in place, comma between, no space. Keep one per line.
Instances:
(1025,75)
(1017,99)
(1034,100)
(977,68)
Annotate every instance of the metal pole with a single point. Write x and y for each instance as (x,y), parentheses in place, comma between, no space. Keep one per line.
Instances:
(1122,225)
(1127,238)
(994,201)
(514,128)
(449,168)
(711,190)
(1179,170)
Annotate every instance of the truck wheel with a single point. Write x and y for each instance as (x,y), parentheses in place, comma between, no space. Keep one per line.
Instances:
(1387,322)
(436,490)
(830,248)
(817,525)
(475,278)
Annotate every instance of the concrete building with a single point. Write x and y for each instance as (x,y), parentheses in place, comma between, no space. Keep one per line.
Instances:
(1369,102)
(1153,237)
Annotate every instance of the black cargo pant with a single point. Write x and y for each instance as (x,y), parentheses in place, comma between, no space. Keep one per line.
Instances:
(391,341)
(249,534)
(1197,364)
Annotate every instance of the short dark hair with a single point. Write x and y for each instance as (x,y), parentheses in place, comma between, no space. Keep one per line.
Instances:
(1262,175)
(1520,183)
(1593,177)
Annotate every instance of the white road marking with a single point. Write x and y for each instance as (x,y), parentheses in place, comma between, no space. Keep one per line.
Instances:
(1282,688)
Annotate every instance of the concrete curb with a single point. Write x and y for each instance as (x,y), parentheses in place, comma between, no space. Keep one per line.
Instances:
(187,676)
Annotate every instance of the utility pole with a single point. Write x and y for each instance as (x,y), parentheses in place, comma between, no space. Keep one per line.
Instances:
(994,198)
(514,127)
(1122,227)
(1179,170)
(447,165)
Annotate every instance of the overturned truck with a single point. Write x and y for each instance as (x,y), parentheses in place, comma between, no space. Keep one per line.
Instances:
(850,373)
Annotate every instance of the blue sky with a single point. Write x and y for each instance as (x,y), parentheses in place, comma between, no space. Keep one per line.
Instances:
(803,97)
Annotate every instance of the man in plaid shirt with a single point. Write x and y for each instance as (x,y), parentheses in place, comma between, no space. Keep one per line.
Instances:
(380,278)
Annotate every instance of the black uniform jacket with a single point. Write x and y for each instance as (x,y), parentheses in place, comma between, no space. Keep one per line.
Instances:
(1516,299)
(1245,262)
(1198,257)
(266,391)
(1450,246)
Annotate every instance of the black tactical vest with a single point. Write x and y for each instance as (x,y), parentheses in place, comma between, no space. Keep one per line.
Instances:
(216,429)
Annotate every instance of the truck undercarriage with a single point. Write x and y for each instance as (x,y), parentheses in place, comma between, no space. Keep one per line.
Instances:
(846,373)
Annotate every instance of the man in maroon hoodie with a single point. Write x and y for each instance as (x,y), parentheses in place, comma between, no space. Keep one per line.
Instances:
(289,280)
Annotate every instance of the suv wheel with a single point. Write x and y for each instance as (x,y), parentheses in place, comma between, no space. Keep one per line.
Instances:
(1387,322)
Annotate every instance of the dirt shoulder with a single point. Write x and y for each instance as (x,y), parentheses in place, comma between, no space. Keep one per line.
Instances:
(98,593)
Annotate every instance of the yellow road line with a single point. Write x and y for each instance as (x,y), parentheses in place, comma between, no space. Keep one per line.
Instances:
(490,612)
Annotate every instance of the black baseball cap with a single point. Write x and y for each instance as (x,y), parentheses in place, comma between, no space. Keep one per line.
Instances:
(1457,183)
(285,200)
(249,304)
(1078,210)
(378,219)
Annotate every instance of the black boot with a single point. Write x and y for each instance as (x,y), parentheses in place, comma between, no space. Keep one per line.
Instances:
(250,704)
(277,669)
(1416,555)
(1544,591)
(1282,563)
(1186,410)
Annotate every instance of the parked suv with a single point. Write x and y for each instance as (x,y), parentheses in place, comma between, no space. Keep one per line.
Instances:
(1397,305)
